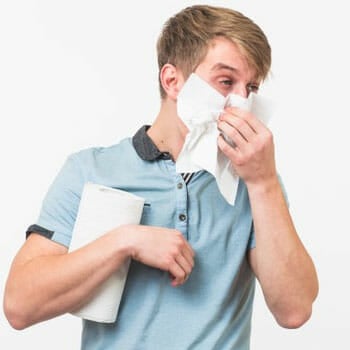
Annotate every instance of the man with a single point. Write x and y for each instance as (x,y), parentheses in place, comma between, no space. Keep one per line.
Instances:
(194,256)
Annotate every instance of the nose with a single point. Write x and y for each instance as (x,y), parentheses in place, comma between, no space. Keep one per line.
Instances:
(241,90)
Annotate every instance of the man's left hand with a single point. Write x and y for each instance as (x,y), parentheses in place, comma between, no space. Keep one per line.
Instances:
(252,154)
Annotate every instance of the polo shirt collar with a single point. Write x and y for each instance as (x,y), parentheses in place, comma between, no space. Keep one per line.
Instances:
(145,147)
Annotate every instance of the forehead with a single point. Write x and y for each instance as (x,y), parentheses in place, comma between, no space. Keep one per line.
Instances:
(224,55)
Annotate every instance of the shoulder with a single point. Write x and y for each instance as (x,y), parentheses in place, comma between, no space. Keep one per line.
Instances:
(95,155)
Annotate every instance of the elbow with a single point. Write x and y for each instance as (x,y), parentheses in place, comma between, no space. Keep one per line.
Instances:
(295,316)
(15,316)
(294,319)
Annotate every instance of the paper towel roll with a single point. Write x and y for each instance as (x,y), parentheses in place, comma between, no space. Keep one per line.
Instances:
(101,209)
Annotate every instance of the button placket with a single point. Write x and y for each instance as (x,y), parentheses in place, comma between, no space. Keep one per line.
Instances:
(181,205)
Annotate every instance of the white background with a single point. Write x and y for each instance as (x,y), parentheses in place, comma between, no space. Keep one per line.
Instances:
(75,74)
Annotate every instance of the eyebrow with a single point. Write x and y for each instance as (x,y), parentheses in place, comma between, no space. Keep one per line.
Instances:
(220,65)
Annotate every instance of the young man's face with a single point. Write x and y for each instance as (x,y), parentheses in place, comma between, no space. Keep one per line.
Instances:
(226,70)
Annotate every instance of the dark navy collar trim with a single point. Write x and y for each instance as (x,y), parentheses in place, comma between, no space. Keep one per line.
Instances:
(145,147)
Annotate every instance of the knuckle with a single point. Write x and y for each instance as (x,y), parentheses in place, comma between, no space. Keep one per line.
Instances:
(240,160)
(248,116)
(233,132)
(182,274)
(181,243)
(268,135)
(261,143)
(223,117)
(251,151)
(239,123)
(177,234)
(168,261)
(225,147)
(175,251)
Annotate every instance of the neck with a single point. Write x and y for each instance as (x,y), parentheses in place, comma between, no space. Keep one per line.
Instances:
(168,131)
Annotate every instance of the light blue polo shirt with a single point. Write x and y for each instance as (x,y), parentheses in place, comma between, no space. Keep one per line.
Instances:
(213,309)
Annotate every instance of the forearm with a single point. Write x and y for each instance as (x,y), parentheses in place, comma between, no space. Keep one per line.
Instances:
(43,285)
(50,285)
(283,266)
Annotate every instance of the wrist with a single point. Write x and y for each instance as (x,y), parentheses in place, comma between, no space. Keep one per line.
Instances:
(265,186)
(125,243)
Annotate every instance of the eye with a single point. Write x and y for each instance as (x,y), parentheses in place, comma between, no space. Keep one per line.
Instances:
(226,82)
(253,88)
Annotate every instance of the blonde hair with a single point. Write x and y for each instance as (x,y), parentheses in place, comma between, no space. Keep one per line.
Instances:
(185,39)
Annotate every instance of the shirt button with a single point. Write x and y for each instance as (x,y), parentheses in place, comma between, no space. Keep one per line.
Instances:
(179,185)
(182,217)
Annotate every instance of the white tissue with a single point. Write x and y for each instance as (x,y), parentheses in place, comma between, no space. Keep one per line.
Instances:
(101,209)
(199,106)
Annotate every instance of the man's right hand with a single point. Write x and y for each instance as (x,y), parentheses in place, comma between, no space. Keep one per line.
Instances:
(46,281)
(162,248)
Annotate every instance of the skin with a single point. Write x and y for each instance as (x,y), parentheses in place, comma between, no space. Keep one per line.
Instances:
(279,261)
(46,281)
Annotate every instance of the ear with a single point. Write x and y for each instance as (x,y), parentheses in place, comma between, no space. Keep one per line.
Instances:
(172,80)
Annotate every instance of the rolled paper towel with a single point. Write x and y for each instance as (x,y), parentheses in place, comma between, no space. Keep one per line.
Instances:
(102,209)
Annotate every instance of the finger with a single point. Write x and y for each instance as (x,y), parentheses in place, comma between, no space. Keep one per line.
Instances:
(233,134)
(177,273)
(239,124)
(255,123)
(189,257)
(185,245)
(188,249)
(232,153)
(184,264)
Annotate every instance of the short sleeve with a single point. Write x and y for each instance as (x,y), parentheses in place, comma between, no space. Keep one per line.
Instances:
(251,242)
(60,206)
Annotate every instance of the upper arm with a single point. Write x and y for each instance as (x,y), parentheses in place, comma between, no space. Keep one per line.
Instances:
(60,206)
(35,246)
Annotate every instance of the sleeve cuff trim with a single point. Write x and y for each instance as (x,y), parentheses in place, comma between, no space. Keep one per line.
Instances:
(40,230)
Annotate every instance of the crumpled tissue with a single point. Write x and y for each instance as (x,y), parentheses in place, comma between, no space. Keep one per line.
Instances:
(199,105)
